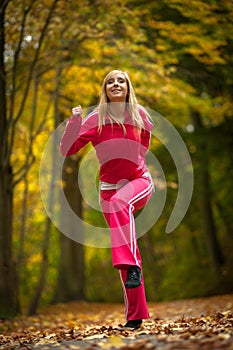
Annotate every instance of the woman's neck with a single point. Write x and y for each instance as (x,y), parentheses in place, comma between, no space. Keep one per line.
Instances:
(117,110)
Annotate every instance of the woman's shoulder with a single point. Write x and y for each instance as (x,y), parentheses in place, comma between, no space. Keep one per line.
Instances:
(143,112)
(91,118)
(145,117)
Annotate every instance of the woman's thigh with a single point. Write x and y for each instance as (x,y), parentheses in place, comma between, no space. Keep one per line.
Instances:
(135,193)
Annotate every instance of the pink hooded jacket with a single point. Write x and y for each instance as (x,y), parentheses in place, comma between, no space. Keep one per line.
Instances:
(121,153)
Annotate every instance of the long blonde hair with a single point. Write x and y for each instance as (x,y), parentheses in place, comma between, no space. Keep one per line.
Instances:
(131,100)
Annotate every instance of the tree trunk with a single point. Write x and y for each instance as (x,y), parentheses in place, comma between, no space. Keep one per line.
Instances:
(226,220)
(43,273)
(46,240)
(215,252)
(70,285)
(8,293)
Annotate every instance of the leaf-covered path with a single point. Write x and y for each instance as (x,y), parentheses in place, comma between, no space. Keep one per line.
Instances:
(188,324)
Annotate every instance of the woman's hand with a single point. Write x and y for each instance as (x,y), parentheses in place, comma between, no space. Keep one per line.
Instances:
(77,111)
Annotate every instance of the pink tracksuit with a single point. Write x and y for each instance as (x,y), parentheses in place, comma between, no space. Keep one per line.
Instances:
(125,187)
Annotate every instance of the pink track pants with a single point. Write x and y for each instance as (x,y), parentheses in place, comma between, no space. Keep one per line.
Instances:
(118,208)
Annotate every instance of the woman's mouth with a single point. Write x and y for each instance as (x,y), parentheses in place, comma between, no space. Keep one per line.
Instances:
(116,90)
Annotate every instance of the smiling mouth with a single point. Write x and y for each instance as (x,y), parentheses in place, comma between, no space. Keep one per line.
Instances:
(116,90)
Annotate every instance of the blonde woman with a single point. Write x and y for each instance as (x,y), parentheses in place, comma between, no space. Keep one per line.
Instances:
(120,131)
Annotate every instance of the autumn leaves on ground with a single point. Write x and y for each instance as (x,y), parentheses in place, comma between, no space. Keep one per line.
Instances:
(205,323)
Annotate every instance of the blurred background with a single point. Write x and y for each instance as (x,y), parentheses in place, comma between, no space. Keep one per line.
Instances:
(54,55)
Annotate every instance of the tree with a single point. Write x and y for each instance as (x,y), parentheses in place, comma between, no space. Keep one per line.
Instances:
(71,284)
(8,298)
(182,35)
(9,118)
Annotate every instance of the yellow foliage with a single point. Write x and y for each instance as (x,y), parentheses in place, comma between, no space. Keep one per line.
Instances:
(89,49)
(80,85)
(34,259)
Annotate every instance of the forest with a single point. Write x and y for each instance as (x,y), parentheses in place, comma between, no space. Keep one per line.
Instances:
(54,55)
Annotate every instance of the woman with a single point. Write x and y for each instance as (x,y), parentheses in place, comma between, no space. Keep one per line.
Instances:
(120,131)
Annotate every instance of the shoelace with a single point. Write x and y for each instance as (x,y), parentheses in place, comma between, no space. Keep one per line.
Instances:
(133,274)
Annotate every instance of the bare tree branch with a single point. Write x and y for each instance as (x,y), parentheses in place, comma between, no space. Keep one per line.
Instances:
(30,75)
(16,57)
(4,5)
(21,173)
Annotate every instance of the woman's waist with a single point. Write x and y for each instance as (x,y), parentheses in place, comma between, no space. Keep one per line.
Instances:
(105,185)
(117,170)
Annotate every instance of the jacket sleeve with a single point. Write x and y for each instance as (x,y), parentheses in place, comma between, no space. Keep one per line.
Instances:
(77,134)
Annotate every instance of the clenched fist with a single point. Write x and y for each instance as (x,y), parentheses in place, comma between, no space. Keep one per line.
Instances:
(77,110)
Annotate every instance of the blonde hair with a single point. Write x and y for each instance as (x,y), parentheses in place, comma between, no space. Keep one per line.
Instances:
(131,100)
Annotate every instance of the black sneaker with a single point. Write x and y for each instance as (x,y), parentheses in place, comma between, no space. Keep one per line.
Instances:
(133,324)
(134,277)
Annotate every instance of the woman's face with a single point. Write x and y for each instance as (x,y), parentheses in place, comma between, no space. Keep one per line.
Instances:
(117,88)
